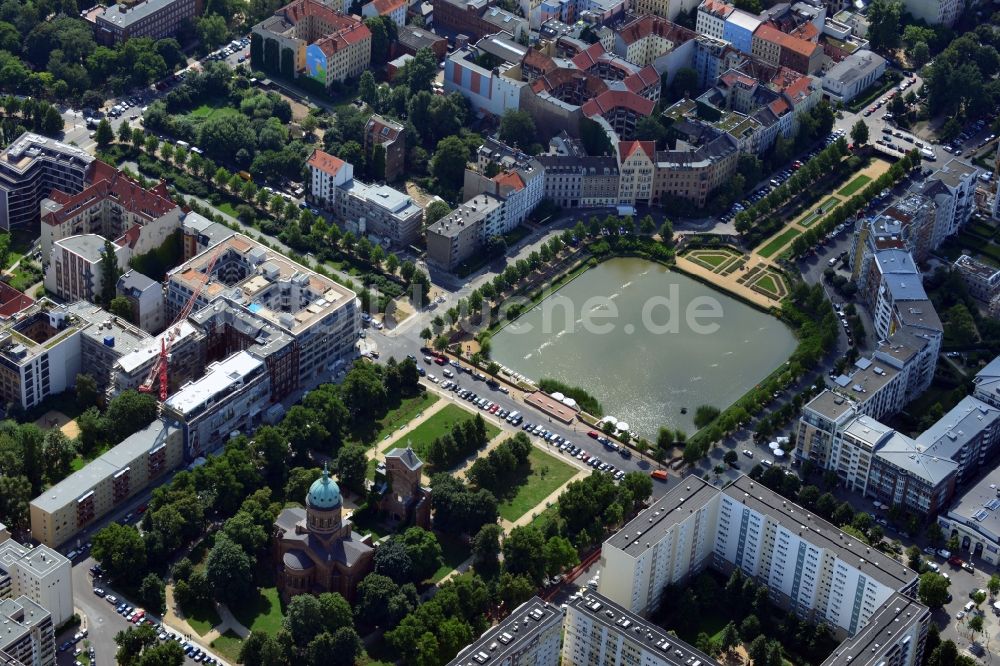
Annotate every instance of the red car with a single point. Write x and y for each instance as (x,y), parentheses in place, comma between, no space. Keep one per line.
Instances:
(955,561)
(440,360)
(593,434)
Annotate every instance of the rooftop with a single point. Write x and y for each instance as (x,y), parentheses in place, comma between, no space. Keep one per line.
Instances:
(40,560)
(831,405)
(18,618)
(513,635)
(905,454)
(870,561)
(397,203)
(466,215)
(220,379)
(740,18)
(122,15)
(653,523)
(614,619)
(28,147)
(979,506)
(79,484)
(325,162)
(855,66)
(870,646)
(149,204)
(88,246)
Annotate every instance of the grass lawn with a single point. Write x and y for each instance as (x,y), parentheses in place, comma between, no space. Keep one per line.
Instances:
(455,552)
(542,520)
(205,111)
(202,618)
(228,645)
(394,419)
(767,283)
(826,206)
(778,242)
(544,475)
(227,208)
(437,425)
(860,181)
(262,613)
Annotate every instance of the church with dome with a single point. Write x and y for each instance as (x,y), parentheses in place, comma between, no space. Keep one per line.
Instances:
(316,549)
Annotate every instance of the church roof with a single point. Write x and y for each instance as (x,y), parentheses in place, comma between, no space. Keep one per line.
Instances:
(324,493)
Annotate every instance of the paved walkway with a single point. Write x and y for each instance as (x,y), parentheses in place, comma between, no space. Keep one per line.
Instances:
(730,282)
(375,451)
(229,623)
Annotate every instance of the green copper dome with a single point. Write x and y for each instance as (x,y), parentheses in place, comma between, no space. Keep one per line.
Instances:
(324,492)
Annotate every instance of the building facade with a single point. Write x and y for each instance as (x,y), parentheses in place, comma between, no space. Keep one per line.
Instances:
(146,298)
(27,633)
(39,573)
(145,18)
(76,502)
(30,168)
(391,136)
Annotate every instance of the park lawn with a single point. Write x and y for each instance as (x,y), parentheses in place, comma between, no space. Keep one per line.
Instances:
(437,425)
(543,519)
(228,645)
(859,181)
(778,242)
(394,419)
(262,613)
(207,111)
(546,473)
(455,551)
(202,618)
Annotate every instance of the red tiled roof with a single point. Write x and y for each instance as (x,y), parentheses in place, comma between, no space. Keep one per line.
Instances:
(325,162)
(613,99)
(654,25)
(589,57)
(386,7)
(807,31)
(130,237)
(642,79)
(731,78)
(538,60)
(771,34)
(128,193)
(12,301)
(778,107)
(297,10)
(354,34)
(509,179)
(627,148)
(717,8)
(797,89)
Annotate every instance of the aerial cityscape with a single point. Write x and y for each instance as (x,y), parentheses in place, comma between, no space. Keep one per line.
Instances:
(515,332)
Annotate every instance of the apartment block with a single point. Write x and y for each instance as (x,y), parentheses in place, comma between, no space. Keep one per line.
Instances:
(711,20)
(596,630)
(530,636)
(27,634)
(953,190)
(974,519)
(145,18)
(739,30)
(456,237)
(44,347)
(809,566)
(395,10)
(76,502)
(321,317)
(232,396)
(30,168)
(380,210)
(324,44)
(982,281)
(476,19)
(145,295)
(636,166)
(39,573)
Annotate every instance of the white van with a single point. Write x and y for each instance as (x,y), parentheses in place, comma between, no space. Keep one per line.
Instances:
(766,463)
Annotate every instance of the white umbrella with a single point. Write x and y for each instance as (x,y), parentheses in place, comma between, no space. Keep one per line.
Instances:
(778,453)
(569,402)
(622,426)
(774,445)
(996,604)
(609,419)
(558,396)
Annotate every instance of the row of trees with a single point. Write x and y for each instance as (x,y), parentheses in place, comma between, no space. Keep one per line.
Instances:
(466,437)
(495,471)
(848,210)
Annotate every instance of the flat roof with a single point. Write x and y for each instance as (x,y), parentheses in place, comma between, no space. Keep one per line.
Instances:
(151,347)
(219,378)
(653,523)
(79,483)
(133,13)
(40,560)
(869,646)
(19,617)
(669,650)
(979,507)
(831,405)
(872,562)
(468,214)
(512,635)
(743,20)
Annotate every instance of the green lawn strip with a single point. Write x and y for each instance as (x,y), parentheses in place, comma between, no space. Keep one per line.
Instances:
(227,208)
(859,181)
(394,419)
(826,206)
(544,475)
(767,284)
(437,425)
(228,645)
(455,551)
(202,618)
(778,242)
(546,517)
(262,613)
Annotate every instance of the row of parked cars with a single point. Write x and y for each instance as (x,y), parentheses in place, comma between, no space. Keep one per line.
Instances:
(231,48)
(510,416)
(569,448)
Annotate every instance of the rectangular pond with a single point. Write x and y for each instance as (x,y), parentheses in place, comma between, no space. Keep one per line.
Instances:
(646,342)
